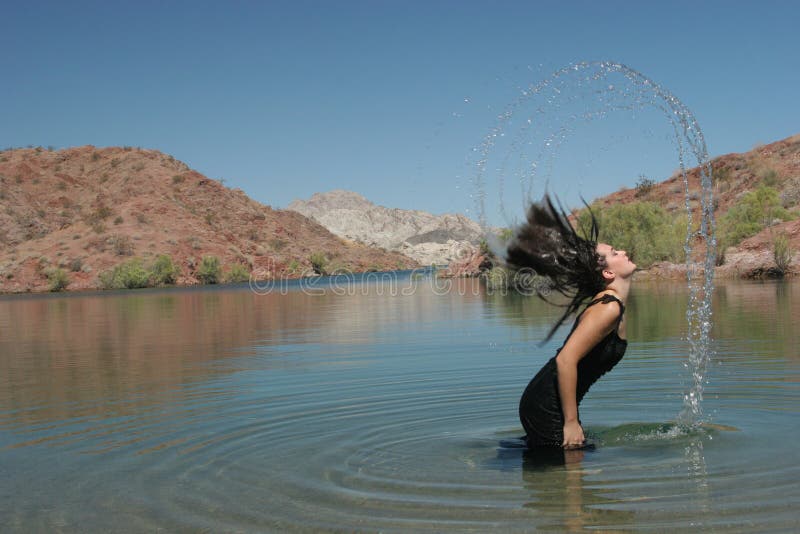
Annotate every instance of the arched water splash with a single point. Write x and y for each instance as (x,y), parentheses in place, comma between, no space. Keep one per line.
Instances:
(532,130)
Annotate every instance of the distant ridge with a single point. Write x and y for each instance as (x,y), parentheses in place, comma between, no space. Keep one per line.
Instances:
(427,238)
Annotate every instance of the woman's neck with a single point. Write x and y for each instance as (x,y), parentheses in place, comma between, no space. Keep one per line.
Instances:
(620,287)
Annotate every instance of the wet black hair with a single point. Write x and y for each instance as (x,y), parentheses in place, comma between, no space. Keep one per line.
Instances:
(547,244)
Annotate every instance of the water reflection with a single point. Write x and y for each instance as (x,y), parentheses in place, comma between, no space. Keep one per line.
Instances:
(563,497)
(116,354)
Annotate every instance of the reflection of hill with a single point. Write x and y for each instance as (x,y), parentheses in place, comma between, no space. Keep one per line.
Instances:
(117,354)
(657,310)
(760,311)
(65,353)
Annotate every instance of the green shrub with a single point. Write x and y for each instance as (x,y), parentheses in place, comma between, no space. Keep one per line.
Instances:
(58,279)
(293,266)
(209,271)
(237,273)
(319,262)
(644,185)
(755,211)
(122,245)
(768,176)
(128,275)
(645,230)
(163,272)
(720,174)
(101,213)
(781,252)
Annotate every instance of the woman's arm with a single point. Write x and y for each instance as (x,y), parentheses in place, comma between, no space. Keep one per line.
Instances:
(596,323)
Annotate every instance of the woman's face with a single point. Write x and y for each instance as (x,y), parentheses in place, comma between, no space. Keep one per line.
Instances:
(617,261)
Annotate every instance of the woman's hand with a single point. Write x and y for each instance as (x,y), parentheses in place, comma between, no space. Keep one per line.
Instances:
(573,435)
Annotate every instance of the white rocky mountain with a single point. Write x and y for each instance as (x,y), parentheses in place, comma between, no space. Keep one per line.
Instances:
(429,239)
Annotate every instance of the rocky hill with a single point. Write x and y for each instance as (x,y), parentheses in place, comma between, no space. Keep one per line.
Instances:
(85,210)
(775,165)
(429,239)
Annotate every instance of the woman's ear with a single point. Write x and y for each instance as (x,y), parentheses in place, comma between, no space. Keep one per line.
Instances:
(608,275)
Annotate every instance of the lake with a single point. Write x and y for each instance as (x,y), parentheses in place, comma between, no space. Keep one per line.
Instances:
(384,404)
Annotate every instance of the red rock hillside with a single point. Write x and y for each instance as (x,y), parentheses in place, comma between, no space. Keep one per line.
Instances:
(86,210)
(776,165)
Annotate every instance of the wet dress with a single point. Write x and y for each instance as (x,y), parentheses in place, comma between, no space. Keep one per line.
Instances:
(540,405)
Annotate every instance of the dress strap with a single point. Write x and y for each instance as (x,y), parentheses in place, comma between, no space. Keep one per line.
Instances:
(605,299)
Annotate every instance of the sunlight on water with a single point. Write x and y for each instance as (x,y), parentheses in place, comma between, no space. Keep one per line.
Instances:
(524,142)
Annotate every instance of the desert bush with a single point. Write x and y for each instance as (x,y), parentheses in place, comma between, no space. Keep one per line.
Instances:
(122,245)
(177,179)
(99,214)
(646,231)
(319,262)
(768,176)
(119,220)
(58,279)
(719,257)
(755,211)
(293,266)
(163,271)
(209,271)
(128,275)
(76,265)
(781,252)
(644,185)
(720,174)
(790,195)
(237,273)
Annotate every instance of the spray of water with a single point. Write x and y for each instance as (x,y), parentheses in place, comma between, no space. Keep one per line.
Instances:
(532,130)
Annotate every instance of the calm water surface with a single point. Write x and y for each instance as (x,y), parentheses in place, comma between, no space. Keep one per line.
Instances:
(383,407)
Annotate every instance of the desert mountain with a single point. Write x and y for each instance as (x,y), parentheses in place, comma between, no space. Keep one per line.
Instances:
(427,238)
(775,165)
(86,210)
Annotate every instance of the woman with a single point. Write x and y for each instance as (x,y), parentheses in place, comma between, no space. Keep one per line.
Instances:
(582,270)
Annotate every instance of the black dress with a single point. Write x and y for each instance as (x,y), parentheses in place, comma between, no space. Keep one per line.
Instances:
(540,405)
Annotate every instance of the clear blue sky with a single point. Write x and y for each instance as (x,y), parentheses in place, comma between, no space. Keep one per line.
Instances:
(284,99)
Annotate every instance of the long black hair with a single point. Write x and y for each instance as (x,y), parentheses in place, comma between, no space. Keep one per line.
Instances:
(548,245)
